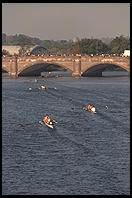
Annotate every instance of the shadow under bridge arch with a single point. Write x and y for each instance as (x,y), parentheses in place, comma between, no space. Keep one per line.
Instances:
(4,70)
(96,70)
(37,69)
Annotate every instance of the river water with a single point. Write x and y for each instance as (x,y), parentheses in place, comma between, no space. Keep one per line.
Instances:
(87,154)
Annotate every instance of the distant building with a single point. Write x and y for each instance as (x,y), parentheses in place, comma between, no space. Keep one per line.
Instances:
(75,39)
(12,49)
(126,53)
(39,50)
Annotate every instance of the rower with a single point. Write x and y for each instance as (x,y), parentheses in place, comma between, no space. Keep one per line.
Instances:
(46,119)
(42,87)
(106,107)
(91,108)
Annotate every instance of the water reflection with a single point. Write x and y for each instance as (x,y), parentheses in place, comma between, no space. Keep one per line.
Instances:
(115,73)
(69,74)
(56,74)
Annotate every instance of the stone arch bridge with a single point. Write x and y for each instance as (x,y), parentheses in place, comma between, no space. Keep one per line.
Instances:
(77,65)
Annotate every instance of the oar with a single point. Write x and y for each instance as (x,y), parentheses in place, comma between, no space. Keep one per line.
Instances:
(28,124)
(81,108)
(51,121)
(75,108)
(54,121)
(52,88)
(85,108)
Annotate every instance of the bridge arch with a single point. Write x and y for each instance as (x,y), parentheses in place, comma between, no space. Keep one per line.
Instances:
(99,68)
(41,66)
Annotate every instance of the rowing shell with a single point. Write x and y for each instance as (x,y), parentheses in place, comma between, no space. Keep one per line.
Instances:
(85,108)
(93,111)
(50,125)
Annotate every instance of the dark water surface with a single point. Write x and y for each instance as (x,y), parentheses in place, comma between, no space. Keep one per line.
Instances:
(85,154)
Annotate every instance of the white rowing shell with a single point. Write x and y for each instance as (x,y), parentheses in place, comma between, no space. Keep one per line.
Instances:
(48,125)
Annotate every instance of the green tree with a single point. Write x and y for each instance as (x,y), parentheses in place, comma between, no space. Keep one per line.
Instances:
(25,43)
(76,48)
(119,44)
(93,46)
(24,40)
(3,38)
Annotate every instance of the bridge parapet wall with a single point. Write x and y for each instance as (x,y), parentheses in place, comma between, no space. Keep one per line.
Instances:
(102,59)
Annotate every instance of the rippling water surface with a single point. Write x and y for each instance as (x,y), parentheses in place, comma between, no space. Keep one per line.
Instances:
(85,154)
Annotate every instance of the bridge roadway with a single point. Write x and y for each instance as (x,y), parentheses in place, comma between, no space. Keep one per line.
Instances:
(16,65)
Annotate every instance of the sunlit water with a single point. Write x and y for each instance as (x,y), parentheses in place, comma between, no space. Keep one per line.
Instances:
(85,154)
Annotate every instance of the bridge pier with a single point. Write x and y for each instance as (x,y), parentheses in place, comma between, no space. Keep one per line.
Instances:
(13,67)
(76,68)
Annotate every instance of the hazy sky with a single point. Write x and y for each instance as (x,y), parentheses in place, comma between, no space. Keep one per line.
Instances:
(66,20)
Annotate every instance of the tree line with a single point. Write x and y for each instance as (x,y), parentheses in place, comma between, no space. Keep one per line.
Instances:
(83,46)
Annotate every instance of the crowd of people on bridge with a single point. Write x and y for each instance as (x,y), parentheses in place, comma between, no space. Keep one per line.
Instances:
(65,55)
